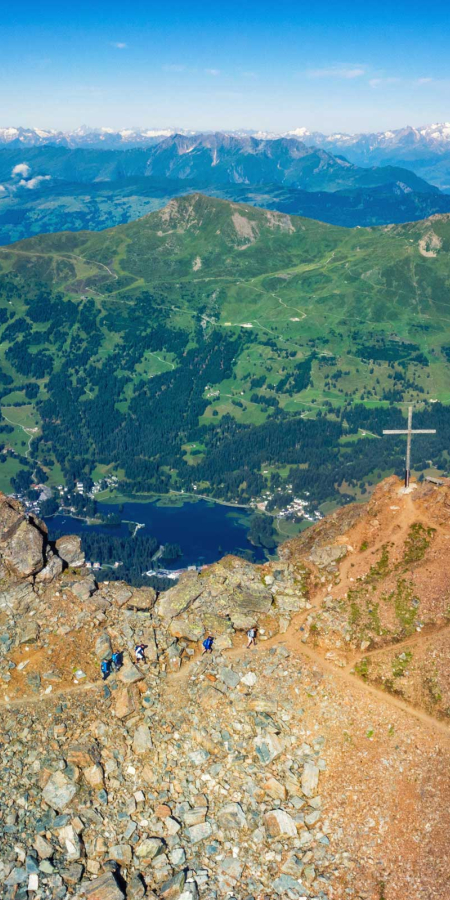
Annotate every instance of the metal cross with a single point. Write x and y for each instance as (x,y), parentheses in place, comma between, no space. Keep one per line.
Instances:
(409,432)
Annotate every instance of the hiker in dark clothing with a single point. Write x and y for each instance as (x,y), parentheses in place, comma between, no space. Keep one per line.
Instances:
(251,638)
(208,644)
(106,668)
(117,660)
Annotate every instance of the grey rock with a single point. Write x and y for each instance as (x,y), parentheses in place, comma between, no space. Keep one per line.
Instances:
(149,848)
(104,888)
(231,816)
(172,888)
(16,594)
(286,883)
(323,557)
(83,588)
(121,853)
(21,540)
(69,550)
(103,646)
(44,848)
(51,570)
(29,633)
(129,673)
(142,740)
(230,678)
(136,889)
(310,779)
(142,599)
(199,832)
(59,791)
(268,747)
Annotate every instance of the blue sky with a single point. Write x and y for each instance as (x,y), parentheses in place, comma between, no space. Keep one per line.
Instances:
(275,66)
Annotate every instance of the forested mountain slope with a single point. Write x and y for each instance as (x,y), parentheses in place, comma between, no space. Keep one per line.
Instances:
(233,348)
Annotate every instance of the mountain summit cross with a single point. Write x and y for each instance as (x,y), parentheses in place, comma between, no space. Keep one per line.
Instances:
(409,432)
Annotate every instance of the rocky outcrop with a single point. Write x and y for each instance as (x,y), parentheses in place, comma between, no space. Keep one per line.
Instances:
(229,596)
(21,540)
(69,550)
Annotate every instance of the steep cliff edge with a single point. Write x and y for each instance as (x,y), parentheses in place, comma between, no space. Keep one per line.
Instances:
(312,766)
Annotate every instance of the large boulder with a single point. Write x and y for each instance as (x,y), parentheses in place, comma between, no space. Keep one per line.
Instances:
(221,599)
(142,599)
(52,569)
(178,599)
(15,595)
(21,540)
(323,557)
(103,646)
(69,550)
(129,673)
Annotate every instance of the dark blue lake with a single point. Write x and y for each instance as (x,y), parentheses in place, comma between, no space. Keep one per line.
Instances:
(205,531)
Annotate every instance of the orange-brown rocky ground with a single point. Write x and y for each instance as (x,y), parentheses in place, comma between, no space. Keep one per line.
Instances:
(349,683)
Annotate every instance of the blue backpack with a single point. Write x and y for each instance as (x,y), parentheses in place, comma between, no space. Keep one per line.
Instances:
(208,643)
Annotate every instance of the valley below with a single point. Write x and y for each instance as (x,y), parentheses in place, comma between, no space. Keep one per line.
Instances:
(214,348)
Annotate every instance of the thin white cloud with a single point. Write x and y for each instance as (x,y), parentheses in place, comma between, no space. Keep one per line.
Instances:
(347,72)
(119,45)
(387,80)
(213,72)
(2,189)
(381,82)
(34,182)
(174,67)
(21,169)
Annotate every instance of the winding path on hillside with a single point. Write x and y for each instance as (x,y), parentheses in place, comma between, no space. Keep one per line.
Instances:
(291,640)
(69,258)
(24,429)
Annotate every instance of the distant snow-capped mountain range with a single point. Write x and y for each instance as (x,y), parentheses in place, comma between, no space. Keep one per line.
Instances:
(435,136)
(425,150)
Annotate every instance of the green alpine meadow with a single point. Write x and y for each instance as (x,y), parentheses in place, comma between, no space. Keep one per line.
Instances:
(218,347)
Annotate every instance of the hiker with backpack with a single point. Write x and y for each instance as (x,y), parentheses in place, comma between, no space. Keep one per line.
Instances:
(208,644)
(105,668)
(251,638)
(117,660)
(139,652)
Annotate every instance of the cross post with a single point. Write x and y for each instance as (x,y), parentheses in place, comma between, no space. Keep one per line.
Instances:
(409,431)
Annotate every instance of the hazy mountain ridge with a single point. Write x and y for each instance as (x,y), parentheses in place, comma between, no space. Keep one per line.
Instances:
(53,188)
(425,149)
(215,159)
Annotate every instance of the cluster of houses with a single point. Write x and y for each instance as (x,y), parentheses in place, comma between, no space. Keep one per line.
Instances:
(97,565)
(296,509)
(110,481)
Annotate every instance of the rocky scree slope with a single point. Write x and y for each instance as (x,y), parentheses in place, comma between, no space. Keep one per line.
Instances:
(245,775)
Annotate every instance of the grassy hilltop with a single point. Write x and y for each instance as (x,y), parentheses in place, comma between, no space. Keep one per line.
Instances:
(162,346)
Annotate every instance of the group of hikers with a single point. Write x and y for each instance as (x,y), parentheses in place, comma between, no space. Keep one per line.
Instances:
(115,663)
(209,641)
